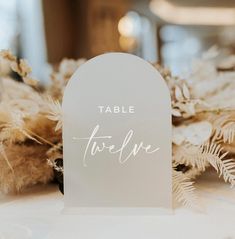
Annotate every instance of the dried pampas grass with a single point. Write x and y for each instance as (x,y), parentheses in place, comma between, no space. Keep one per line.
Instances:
(30,126)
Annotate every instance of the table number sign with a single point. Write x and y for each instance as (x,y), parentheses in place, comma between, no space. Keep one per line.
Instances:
(117,137)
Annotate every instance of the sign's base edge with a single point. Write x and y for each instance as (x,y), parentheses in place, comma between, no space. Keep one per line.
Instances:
(145,211)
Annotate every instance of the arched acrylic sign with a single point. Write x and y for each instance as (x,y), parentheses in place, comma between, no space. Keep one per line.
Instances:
(117,136)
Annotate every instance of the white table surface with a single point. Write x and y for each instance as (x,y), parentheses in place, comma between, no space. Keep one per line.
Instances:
(37,214)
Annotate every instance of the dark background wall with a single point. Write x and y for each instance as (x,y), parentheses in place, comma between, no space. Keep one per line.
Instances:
(76,28)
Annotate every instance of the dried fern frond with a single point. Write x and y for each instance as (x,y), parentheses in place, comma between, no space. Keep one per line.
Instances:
(200,156)
(227,170)
(192,155)
(224,128)
(184,191)
(212,153)
(216,157)
(228,132)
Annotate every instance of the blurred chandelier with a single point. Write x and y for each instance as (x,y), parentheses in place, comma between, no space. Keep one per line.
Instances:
(190,15)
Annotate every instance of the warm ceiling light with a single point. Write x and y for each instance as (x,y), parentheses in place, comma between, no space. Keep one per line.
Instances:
(126,26)
(130,24)
(193,15)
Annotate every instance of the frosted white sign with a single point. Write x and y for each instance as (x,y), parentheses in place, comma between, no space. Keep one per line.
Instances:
(117,136)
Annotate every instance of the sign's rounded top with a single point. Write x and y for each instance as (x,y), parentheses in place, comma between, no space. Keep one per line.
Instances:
(118,67)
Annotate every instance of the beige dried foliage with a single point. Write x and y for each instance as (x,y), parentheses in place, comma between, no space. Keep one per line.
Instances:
(184,191)
(205,95)
(203,112)
(19,66)
(28,167)
(26,133)
(59,78)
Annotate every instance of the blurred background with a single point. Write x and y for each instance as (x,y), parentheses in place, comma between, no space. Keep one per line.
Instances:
(171,32)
